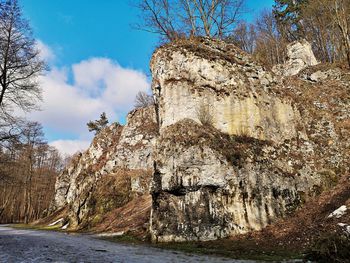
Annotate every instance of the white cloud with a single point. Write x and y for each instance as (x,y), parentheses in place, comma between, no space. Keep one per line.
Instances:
(107,79)
(73,96)
(46,53)
(66,108)
(70,147)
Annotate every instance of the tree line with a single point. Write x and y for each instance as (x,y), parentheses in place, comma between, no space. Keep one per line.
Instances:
(28,165)
(28,171)
(324,23)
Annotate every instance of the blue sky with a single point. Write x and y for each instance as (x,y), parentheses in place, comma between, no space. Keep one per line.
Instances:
(97,62)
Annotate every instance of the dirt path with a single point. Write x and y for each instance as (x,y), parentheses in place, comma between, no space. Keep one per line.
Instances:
(43,246)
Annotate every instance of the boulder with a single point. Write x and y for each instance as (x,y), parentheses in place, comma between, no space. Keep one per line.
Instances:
(299,57)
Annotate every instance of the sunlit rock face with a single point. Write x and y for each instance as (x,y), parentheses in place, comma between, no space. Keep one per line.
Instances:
(208,185)
(236,91)
(269,149)
(119,152)
(299,57)
(274,142)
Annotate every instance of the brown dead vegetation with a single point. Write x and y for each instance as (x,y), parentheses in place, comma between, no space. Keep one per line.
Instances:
(308,223)
(116,206)
(233,147)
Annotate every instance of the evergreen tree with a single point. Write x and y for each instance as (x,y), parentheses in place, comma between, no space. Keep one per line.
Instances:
(99,124)
(288,16)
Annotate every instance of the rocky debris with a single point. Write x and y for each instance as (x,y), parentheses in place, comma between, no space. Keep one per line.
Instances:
(323,72)
(318,76)
(192,76)
(299,57)
(338,213)
(334,74)
(116,168)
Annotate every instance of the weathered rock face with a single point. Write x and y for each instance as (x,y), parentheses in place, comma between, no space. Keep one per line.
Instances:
(216,185)
(213,182)
(119,157)
(299,57)
(273,143)
(235,90)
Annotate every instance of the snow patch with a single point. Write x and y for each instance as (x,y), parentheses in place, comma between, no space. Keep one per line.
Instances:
(65,226)
(338,213)
(56,222)
(116,234)
(345,227)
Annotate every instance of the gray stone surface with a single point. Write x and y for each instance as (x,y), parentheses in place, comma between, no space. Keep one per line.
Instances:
(299,57)
(235,89)
(27,246)
(218,186)
(115,148)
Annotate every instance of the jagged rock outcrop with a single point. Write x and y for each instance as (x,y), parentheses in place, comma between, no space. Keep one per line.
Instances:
(217,181)
(236,90)
(299,57)
(271,143)
(217,185)
(116,169)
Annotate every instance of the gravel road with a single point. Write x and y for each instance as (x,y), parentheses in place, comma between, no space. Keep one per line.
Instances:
(44,246)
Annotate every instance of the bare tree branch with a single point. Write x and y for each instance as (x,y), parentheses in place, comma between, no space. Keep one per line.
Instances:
(177,18)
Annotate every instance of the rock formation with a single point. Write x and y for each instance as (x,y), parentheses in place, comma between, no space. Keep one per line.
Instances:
(259,160)
(299,57)
(118,161)
(235,89)
(228,148)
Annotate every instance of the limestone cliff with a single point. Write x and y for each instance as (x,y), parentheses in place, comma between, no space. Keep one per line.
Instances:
(273,143)
(237,91)
(113,172)
(270,143)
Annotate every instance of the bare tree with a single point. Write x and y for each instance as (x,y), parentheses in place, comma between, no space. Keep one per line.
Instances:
(28,169)
(32,136)
(143,100)
(342,19)
(270,42)
(9,127)
(174,18)
(20,63)
(244,36)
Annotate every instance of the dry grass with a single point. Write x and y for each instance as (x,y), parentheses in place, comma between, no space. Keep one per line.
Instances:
(234,148)
(132,218)
(114,206)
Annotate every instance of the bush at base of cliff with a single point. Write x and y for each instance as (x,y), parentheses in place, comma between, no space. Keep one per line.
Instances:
(330,248)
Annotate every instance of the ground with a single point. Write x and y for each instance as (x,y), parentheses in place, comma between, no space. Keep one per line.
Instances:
(19,245)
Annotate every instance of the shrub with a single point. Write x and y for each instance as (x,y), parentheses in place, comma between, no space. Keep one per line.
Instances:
(99,124)
(204,115)
(143,100)
(330,248)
